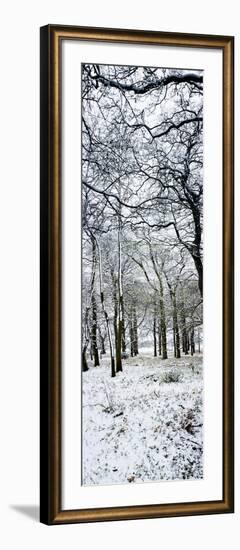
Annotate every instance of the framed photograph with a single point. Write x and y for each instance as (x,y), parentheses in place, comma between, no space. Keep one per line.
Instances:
(136,274)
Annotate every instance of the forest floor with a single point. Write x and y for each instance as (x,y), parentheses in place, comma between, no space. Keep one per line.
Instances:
(145,424)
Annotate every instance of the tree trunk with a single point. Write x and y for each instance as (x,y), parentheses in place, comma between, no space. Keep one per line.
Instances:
(196,248)
(86,337)
(183,328)
(155,329)
(120,301)
(199,267)
(131,334)
(119,347)
(105,313)
(123,328)
(176,336)
(174,343)
(115,315)
(177,352)
(135,330)
(94,346)
(159,338)
(192,342)
(163,322)
(84,359)
(94,332)
(188,342)
(162,306)
(91,352)
(154,338)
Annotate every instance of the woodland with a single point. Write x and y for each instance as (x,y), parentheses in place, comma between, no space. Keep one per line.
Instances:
(142,251)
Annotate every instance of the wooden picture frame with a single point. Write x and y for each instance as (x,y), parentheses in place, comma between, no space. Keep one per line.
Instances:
(51,510)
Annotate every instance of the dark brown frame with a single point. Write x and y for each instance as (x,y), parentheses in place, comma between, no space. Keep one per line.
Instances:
(51,37)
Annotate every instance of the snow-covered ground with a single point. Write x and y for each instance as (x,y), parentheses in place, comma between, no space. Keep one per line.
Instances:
(146,424)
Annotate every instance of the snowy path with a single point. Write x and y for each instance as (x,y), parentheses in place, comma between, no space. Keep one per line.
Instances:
(141,426)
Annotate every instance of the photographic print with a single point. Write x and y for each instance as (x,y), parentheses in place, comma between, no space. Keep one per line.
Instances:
(137,385)
(142,193)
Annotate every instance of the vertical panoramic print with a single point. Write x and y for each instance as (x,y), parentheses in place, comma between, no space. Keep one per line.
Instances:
(142,274)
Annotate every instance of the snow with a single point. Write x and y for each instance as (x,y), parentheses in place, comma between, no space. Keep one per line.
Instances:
(142,426)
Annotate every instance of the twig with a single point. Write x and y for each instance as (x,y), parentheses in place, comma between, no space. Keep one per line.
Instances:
(191,440)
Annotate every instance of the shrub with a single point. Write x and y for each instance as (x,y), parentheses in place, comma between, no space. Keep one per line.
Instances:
(171,376)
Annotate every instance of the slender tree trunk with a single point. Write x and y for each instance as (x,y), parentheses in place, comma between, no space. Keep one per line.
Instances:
(154,338)
(178,349)
(199,342)
(131,334)
(86,336)
(192,340)
(188,342)
(163,322)
(159,338)
(135,330)
(184,329)
(176,336)
(94,332)
(91,352)
(177,352)
(84,359)
(162,306)
(120,301)
(174,343)
(105,313)
(115,315)
(119,348)
(123,328)
(155,328)
(94,346)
